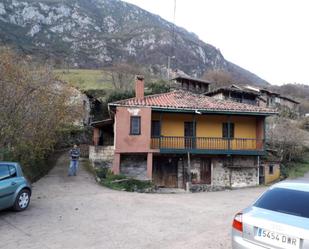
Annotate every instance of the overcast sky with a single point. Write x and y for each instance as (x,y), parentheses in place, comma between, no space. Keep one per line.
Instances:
(268,37)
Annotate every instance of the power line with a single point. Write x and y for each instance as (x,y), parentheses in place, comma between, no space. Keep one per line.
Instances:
(174,30)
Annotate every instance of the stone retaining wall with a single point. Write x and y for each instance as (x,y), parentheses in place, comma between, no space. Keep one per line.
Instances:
(134,166)
(103,153)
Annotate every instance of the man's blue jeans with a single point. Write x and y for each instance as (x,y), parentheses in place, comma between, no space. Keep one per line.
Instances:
(73,167)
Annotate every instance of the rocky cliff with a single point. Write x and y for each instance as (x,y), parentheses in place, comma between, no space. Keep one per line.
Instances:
(96,33)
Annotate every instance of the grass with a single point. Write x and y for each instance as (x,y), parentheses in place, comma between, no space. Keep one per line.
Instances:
(84,79)
(298,169)
(88,167)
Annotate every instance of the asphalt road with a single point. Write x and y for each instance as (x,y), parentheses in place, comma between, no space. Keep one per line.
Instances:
(75,212)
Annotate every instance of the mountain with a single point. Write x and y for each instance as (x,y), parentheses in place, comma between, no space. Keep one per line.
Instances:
(97,33)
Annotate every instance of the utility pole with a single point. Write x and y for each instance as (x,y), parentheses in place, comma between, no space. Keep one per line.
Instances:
(173,44)
(169,65)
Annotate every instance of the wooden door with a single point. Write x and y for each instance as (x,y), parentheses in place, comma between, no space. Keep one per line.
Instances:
(189,132)
(261,175)
(165,172)
(205,171)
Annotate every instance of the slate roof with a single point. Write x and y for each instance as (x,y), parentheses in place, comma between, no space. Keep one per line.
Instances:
(188,78)
(184,100)
(229,89)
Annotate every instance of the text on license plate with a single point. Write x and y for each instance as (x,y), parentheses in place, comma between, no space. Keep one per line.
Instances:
(276,239)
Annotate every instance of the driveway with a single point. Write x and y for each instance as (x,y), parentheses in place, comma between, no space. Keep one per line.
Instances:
(75,212)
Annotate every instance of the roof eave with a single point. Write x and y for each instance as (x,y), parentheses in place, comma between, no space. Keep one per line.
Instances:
(202,111)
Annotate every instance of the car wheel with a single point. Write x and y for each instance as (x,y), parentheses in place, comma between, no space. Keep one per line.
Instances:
(22,201)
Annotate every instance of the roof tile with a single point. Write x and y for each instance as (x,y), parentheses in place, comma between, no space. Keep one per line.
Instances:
(180,99)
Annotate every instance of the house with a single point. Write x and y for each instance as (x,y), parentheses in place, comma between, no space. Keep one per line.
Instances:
(182,139)
(238,94)
(187,83)
(269,171)
(255,96)
(275,100)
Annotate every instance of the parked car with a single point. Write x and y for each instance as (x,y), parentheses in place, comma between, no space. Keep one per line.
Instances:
(15,190)
(278,219)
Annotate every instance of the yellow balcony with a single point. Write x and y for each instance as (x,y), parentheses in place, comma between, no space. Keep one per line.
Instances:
(208,145)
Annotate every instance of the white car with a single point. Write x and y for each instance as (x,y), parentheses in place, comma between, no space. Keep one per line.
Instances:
(278,219)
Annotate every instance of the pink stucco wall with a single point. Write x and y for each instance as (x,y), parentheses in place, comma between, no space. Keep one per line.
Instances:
(126,143)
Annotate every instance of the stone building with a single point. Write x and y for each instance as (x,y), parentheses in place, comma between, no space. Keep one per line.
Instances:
(238,94)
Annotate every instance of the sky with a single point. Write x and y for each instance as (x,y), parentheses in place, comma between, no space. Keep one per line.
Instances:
(267,37)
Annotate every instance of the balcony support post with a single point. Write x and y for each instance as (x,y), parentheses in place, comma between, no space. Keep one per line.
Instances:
(188,183)
(149,165)
(116,164)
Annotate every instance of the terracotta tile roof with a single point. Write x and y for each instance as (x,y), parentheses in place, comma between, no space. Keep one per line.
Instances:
(185,100)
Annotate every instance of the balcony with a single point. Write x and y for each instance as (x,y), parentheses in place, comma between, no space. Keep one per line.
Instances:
(208,145)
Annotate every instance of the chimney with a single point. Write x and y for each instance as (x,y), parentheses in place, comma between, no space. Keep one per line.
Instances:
(139,87)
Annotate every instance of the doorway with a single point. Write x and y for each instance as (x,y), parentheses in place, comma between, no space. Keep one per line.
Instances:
(189,131)
(165,171)
(205,171)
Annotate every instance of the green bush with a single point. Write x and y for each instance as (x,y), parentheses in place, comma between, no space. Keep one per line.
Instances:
(296,168)
(121,182)
(283,171)
(158,87)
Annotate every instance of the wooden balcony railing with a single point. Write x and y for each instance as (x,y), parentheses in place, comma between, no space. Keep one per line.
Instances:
(206,143)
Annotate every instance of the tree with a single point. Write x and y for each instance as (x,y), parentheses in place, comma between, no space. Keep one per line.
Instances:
(286,138)
(121,75)
(219,78)
(160,86)
(32,108)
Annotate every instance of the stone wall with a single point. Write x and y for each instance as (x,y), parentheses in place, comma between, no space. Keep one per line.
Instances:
(227,172)
(101,153)
(134,166)
(220,175)
(235,172)
(180,173)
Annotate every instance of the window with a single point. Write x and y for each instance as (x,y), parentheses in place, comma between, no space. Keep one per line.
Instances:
(4,172)
(288,201)
(135,126)
(271,169)
(225,130)
(155,128)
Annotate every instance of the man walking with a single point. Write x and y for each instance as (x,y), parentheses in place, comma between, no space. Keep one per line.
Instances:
(74,154)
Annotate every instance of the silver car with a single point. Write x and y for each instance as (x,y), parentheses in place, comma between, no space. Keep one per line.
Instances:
(278,219)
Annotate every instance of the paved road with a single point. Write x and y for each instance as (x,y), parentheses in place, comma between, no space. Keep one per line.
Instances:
(75,212)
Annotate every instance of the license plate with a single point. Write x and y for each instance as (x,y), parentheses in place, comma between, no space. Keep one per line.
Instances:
(277,239)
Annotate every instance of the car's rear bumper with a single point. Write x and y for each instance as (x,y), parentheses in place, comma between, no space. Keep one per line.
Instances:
(239,243)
